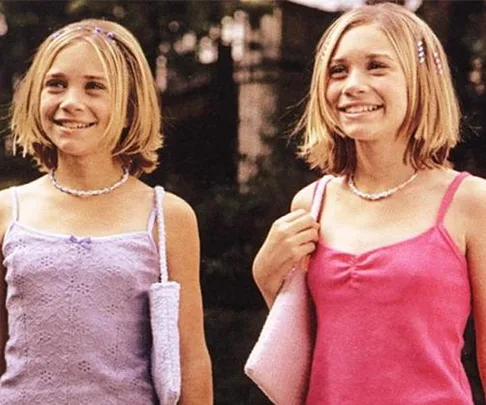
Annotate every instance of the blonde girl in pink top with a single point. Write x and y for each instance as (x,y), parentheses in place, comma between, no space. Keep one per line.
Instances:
(398,254)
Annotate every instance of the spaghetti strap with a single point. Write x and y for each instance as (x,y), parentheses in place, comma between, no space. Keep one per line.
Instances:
(151,221)
(15,204)
(449,195)
(319,196)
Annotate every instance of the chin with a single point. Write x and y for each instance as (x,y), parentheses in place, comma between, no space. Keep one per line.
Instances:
(363,134)
(71,150)
(360,135)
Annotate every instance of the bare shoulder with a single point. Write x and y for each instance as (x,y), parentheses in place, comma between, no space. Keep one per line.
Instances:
(5,199)
(178,211)
(470,204)
(5,210)
(183,250)
(303,198)
(29,190)
(472,195)
(180,225)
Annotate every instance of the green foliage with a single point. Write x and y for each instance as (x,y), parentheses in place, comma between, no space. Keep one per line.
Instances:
(230,336)
(234,224)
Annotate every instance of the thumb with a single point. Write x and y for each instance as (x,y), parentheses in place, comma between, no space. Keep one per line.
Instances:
(304,263)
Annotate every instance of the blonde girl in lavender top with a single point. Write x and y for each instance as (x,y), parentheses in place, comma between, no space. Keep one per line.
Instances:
(79,245)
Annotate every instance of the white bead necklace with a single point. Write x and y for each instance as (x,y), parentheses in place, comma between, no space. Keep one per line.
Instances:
(382,194)
(88,193)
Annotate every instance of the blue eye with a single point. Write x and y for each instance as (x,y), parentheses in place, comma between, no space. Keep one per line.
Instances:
(95,86)
(55,83)
(337,70)
(376,65)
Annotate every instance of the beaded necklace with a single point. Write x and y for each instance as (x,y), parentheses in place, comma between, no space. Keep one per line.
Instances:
(382,194)
(88,193)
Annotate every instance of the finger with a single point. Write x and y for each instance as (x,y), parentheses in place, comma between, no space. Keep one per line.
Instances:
(297,225)
(305,236)
(293,215)
(306,250)
(297,252)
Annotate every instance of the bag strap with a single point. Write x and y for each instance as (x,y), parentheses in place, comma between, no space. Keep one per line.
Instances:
(159,200)
(319,196)
(315,211)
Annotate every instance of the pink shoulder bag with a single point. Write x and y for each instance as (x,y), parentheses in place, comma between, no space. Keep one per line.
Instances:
(280,361)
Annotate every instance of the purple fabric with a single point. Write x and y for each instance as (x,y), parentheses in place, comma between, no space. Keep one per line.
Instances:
(79,329)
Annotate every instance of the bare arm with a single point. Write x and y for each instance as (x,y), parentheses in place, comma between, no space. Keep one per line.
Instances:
(4,219)
(290,239)
(183,262)
(476,257)
(3,317)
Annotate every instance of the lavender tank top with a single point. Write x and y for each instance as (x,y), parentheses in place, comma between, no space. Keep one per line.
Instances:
(78,317)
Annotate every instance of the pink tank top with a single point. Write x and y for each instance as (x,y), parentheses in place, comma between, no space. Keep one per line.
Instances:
(390,321)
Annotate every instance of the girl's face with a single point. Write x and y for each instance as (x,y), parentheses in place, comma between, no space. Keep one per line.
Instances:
(75,104)
(367,89)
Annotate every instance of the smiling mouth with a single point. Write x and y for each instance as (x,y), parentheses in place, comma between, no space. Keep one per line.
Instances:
(359,109)
(73,125)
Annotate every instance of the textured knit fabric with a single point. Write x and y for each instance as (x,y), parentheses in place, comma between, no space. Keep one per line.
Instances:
(391,322)
(79,329)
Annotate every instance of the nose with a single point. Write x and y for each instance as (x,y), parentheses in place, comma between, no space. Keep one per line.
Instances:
(72,100)
(355,83)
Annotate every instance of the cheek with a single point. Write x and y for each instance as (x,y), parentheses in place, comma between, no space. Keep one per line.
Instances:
(47,105)
(332,93)
(103,108)
(401,100)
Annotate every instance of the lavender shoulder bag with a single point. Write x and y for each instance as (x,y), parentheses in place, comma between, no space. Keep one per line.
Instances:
(164,319)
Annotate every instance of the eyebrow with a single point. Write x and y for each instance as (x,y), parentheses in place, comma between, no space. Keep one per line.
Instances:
(87,77)
(368,56)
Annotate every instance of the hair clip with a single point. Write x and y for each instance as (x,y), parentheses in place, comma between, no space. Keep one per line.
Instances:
(57,34)
(110,35)
(438,63)
(98,30)
(421,52)
(324,50)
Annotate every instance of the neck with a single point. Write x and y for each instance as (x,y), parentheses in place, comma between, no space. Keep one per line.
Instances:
(88,175)
(380,166)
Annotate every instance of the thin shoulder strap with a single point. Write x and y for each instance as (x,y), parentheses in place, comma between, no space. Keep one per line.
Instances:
(449,195)
(151,220)
(319,196)
(15,204)
(159,205)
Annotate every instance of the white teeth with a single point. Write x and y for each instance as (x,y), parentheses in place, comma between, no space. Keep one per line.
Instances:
(361,109)
(73,125)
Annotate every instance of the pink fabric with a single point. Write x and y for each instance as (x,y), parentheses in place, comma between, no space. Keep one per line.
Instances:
(391,322)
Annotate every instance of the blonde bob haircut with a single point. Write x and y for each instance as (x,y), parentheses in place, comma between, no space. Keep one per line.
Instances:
(133,132)
(431,121)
